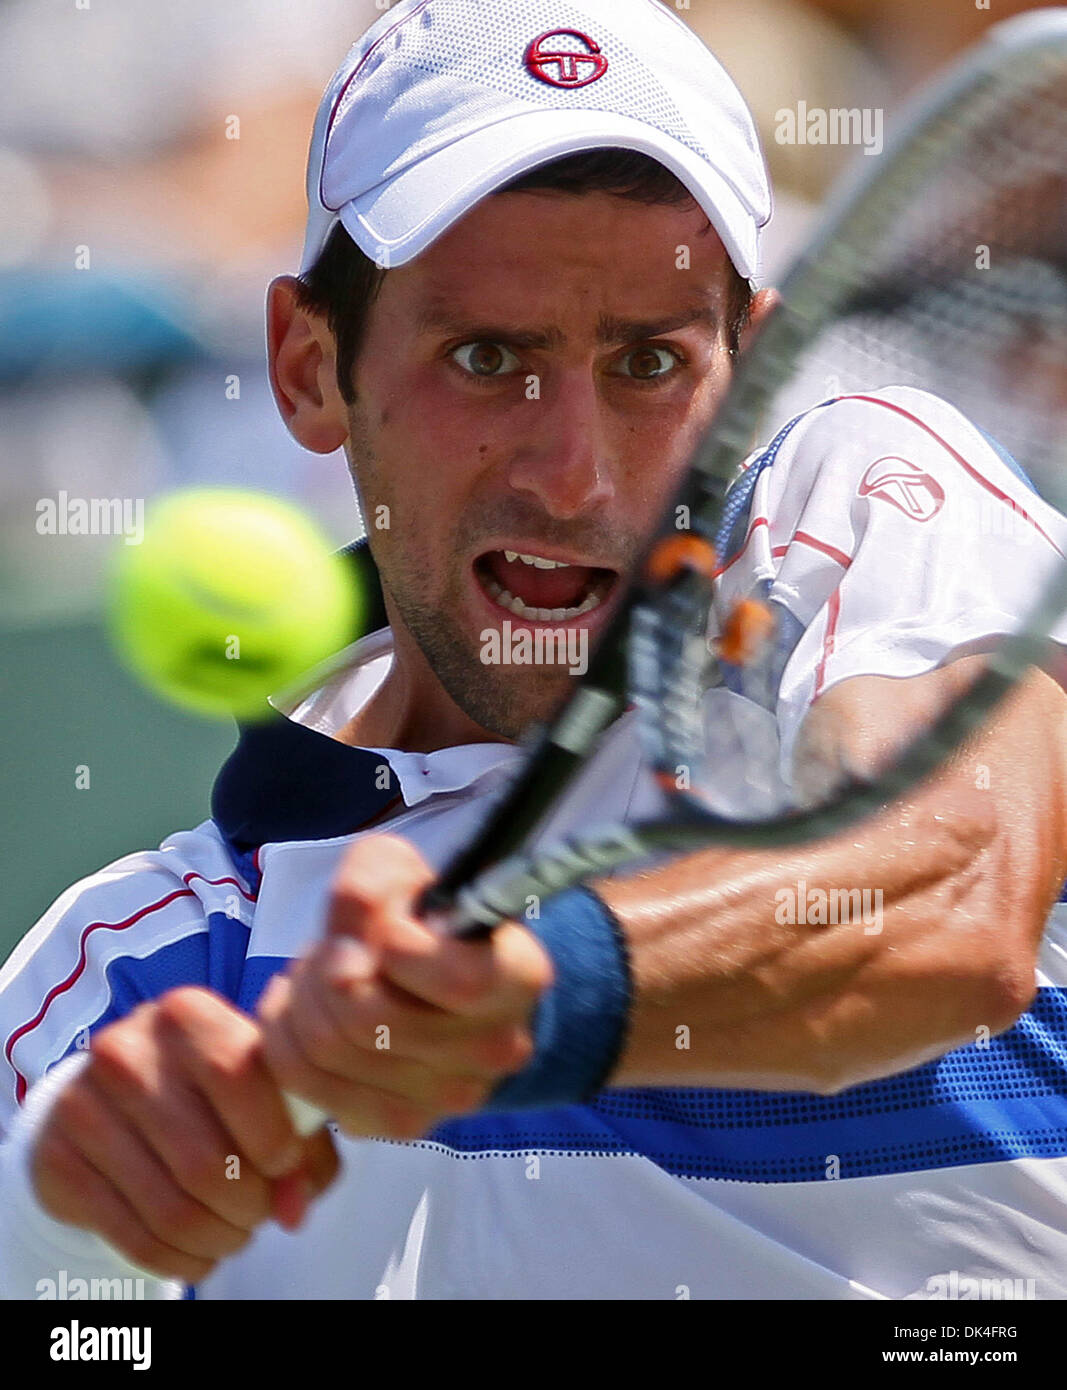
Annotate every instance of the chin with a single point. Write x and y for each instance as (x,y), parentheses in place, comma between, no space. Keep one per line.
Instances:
(508,703)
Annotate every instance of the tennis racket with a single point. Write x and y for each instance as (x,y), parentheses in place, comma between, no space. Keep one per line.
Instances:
(942,264)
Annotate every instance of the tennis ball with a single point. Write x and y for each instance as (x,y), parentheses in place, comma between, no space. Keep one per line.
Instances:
(229,598)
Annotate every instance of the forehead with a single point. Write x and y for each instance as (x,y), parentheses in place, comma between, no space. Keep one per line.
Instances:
(515,250)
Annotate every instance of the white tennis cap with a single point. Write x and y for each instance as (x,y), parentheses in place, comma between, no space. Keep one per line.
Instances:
(443,101)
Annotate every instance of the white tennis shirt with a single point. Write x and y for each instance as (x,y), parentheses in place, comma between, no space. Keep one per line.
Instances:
(894,535)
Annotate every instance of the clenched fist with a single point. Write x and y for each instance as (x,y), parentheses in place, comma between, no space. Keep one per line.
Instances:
(388,1026)
(140,1145)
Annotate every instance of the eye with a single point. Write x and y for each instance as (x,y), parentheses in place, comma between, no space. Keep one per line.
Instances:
(485,359)
(647,363)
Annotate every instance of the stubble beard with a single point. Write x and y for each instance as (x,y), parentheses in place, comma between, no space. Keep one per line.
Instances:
(503,700)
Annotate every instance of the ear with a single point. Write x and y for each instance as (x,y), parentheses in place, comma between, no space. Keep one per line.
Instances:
(763,302)
(303,370)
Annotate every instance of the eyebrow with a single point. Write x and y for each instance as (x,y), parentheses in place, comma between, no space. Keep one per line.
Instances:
(437,318)
(610,330)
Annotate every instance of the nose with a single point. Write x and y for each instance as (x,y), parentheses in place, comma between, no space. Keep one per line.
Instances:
(564,460)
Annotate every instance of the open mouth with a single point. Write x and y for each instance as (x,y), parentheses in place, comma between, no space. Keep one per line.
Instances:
(540,590)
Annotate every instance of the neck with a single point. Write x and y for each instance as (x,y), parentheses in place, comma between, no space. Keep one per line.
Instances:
(411,710)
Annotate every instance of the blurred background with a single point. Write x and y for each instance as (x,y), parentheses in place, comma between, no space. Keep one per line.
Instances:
(151,184)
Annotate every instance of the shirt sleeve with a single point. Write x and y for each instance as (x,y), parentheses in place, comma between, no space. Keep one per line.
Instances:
(148,923)
(896,536)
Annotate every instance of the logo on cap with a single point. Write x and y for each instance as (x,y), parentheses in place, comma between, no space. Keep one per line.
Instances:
(905,486)
(563,67)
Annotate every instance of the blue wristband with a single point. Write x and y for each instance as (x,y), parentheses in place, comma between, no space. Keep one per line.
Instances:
(580,1023)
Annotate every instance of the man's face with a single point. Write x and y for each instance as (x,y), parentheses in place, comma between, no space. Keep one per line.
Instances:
(530,390)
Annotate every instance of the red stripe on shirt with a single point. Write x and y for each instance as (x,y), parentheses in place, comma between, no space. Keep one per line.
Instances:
(801,538)
(829,639)
(219,883)
(824,548)
(754,525)
(804,538)
(75,975)
(967,467)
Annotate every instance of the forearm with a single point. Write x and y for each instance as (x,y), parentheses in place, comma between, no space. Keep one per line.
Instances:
(730,992)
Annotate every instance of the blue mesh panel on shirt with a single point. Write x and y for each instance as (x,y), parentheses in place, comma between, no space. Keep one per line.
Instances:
(213,957)
(761,686)
(975,1105)
(258,973)
(733,525)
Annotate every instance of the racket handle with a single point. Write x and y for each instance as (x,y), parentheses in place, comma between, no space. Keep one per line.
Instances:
(440,911)
(306,1118)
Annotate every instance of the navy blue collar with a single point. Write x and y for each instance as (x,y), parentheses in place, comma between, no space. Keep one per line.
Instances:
(284,781)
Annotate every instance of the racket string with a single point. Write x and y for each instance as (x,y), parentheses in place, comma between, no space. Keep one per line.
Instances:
(949,277)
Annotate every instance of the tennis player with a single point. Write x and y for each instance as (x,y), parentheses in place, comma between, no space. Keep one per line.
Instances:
(533,232)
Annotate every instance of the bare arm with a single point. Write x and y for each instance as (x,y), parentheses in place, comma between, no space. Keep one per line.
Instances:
(968,868)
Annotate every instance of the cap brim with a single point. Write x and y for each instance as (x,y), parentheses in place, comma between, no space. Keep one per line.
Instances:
(400,218)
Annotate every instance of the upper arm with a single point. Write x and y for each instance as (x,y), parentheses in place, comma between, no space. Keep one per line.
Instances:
(897,540)
(1006,784)
(862,723)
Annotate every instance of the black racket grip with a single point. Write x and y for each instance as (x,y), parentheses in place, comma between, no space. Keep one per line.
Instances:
(438,908)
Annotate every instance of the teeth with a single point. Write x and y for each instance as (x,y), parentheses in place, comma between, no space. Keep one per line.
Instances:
(515,605)
(538,561)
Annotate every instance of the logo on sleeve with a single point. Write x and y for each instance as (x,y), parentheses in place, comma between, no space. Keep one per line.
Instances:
(563,66)
(904,485)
